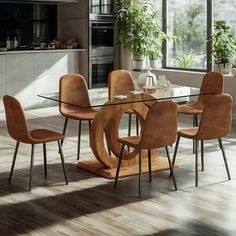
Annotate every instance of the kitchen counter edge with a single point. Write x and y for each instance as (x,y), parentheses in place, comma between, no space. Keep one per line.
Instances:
(42,51)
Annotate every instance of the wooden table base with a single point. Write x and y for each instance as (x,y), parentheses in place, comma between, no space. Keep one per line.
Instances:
(96,167)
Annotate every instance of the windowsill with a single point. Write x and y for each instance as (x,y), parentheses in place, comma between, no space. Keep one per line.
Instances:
(189,72)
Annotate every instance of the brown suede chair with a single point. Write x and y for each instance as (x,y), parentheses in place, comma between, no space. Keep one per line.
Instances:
(18,130)
(159,130)
(120,82)
(73,90)
(215,123)
(213,82)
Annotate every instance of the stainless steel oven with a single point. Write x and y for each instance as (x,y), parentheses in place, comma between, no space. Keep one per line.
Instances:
(101,51)
(101,38)
(99,68)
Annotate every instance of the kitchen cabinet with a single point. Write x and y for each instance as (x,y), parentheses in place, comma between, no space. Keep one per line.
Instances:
(25,74)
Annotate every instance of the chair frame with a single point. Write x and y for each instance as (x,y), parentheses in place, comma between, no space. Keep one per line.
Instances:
(219,105)
(19,131)
(151,140)
(32,161)
(84,84)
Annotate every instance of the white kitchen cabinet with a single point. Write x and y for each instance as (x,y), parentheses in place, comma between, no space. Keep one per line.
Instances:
(25,74)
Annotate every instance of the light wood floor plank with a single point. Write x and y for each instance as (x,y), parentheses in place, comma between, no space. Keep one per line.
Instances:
(90,205)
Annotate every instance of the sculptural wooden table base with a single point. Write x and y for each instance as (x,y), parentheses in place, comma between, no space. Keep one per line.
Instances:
(105,126)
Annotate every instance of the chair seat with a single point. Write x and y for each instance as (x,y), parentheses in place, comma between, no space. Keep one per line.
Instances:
(131,141)
(189,109)
(79,113)
(44,135)
(188,132)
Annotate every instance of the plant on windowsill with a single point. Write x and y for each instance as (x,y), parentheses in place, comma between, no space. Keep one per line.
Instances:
(185,60)
(223,46)
(233,69)
(138,30)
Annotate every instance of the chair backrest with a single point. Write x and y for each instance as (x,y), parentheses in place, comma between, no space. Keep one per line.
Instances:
(73,89)
(120,82)
(212,82)
(15,118)
(216,118)
(160,125)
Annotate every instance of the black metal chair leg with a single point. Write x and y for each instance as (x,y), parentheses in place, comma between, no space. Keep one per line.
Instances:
(225,159)
(79,136)
(45,159)
(149,165)
(129,124)
(202,154)
(14,160)
(140,174)
(62,161)
(175,152)
(90,123)
(171,170)
(64,129)
(119,164)
(108,149)
(195,124)
(31,165)
(137,125)
(196,163)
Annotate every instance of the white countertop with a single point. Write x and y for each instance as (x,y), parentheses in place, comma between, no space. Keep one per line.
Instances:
(42,51)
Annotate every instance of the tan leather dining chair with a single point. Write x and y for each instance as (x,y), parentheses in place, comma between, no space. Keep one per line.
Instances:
(159,130)
(213,82)
(18,130)
(73,90)
(120,82)
(215,123)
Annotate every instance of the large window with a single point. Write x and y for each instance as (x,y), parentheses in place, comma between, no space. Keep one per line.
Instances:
(188,21)
(224,10)
(191,21)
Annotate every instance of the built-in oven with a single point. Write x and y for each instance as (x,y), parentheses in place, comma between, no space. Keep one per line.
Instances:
(101,38)
(101,51)
(99,68)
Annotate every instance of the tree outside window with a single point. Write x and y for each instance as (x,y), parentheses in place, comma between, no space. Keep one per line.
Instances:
(188,21)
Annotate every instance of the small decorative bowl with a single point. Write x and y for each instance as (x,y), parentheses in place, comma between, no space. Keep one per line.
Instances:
(150,90)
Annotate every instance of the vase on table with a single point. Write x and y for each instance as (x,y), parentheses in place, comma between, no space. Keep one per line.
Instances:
(163,84)
(142,78)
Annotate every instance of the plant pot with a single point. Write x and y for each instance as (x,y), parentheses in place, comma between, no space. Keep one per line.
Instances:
(138,64)
(125,59)
(154,64)
(233,71)
(223,68)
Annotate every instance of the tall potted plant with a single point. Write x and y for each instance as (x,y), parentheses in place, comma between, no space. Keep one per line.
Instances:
(223,46)
(138,30)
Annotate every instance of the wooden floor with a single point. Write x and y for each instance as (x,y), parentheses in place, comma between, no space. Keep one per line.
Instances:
(90,205)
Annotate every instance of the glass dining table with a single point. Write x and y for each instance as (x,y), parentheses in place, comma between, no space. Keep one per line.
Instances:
(104,130)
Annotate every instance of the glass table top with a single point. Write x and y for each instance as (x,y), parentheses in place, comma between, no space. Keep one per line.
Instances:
(179,94)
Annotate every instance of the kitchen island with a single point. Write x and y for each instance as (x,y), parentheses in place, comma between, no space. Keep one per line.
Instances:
(26,73)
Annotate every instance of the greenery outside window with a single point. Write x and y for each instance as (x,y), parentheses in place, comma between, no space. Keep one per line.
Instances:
(188,21)
(192,22)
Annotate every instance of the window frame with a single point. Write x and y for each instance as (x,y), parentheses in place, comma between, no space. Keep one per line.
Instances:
(208,44)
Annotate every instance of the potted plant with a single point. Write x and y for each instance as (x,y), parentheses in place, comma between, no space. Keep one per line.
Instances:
(138,30)
(233,69)
(223,46)
(185,60)
(155,49)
